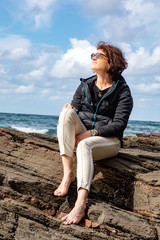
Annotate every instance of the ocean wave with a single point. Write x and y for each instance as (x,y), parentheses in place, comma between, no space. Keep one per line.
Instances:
(29,129)
(47,124)
(52,132)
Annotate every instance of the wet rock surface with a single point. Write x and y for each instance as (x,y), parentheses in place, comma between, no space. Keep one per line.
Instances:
(124,201)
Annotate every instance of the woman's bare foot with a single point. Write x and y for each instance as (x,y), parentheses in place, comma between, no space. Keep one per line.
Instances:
(78,212)
(62,190)
(75,216)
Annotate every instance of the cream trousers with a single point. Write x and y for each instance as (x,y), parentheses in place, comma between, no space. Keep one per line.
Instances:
(88,149)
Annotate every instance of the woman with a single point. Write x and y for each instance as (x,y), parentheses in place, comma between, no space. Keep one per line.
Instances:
(94,123)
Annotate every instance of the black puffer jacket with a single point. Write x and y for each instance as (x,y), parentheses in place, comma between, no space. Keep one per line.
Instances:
(111,114)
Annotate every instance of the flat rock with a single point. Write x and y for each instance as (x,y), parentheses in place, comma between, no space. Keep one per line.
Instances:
(124,201)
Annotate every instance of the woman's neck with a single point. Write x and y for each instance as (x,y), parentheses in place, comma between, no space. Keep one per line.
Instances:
(104,81)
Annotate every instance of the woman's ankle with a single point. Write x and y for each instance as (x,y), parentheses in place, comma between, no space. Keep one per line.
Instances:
(69,174)
(82,198)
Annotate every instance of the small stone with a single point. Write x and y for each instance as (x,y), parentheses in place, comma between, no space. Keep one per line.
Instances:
(34,201)
(87,223)
(94,225)
(27,198)
(107,228)
(50,212)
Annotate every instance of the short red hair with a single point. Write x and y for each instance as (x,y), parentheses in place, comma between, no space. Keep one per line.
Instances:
(115,57)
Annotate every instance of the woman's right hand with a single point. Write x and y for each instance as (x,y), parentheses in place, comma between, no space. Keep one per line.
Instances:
(67,105)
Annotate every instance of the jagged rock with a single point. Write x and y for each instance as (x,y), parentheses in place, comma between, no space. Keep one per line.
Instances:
(150,142)
(105,213)
(124,201)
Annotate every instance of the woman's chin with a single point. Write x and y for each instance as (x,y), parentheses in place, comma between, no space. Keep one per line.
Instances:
(93,69)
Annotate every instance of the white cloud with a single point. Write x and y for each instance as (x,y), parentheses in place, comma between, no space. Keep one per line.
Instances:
(152,88)
(157,78)
(42,59)
(2,70)
(25,89)
(101,7)
(54,98)
(127,48)
(37,74)
(39,11)
(14,48)
(75,62)
(45,92)
(27,67)
(118,29)
(45,55)
(142,12)
(127,20)
(13,41)
(63,96)
(15,54)
(4,91)
(142,61)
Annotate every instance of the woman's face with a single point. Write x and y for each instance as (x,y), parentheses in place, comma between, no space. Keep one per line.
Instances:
(100,64)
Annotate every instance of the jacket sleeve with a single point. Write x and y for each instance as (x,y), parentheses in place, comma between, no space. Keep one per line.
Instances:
(118,124)
(76,102)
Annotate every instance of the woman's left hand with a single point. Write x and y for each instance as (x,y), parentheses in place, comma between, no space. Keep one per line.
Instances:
(82,136)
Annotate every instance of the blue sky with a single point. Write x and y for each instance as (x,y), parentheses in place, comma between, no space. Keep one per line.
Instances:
(45,49)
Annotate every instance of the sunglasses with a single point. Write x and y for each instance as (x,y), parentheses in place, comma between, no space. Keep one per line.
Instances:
(97,55)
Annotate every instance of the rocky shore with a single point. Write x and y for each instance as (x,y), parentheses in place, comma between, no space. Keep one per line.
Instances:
(124,202)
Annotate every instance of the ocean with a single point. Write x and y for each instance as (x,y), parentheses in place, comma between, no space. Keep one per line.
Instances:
(47,124)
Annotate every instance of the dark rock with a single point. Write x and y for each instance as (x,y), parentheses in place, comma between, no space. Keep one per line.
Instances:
(124,220)
(124,201)
(150,142)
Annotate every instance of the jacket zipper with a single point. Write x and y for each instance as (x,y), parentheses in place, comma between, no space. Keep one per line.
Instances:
(95,112)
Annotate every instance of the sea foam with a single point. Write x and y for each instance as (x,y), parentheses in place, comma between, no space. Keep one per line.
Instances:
(29,129)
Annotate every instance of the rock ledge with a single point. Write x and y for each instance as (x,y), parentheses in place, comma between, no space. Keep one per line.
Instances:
(124,202)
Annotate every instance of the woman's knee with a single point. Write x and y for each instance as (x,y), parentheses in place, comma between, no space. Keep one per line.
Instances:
(67,114)
(84,145)
(68,111)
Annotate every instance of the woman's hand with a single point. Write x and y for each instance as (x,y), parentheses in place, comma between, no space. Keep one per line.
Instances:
(82,136)
(67,105)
